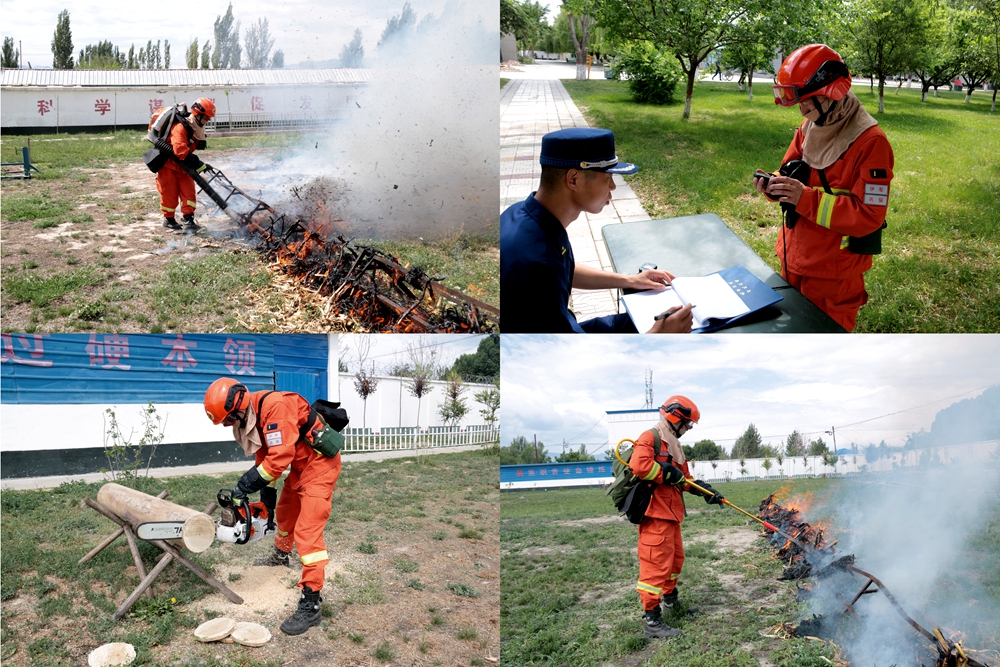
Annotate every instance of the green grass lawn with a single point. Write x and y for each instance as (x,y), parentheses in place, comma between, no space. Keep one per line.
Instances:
(55,612)
(503,82)
(939,270)
(569,569)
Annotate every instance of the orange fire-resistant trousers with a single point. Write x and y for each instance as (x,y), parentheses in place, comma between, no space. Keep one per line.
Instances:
(661,557)
(301,514)
(840,298)
(174,185)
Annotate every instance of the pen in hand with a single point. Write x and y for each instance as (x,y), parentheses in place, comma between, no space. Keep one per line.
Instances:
(667,313)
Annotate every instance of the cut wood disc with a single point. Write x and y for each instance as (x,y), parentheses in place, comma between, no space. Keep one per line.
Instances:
(117,653)
(251,634)
(214,630)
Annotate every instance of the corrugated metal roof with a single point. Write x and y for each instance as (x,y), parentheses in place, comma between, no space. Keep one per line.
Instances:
(177,78)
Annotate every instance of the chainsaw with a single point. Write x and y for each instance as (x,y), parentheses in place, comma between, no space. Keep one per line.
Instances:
(238,523)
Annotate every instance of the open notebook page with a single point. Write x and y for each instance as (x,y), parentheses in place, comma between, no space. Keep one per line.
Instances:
(711,295)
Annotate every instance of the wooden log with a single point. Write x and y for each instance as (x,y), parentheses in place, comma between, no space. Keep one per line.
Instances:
(198,531)
(143,585)
(114,536)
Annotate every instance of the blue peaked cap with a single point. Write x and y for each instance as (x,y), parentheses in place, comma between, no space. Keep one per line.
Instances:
(583,148)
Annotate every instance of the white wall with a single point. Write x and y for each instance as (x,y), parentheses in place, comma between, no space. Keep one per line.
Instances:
(392,405)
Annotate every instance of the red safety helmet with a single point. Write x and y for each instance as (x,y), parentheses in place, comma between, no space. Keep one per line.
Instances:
(204,106)
(225,396)
(813,69)
(681,410)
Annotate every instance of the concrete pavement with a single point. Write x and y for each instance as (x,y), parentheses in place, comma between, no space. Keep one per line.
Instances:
(534,103)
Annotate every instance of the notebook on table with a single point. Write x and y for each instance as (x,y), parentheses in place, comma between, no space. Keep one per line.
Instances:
(719,299)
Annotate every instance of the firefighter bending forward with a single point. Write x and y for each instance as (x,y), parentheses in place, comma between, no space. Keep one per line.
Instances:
(172,182)
(661,552)
(278,428)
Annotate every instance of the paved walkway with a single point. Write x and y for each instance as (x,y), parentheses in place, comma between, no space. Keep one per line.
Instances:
(533,103)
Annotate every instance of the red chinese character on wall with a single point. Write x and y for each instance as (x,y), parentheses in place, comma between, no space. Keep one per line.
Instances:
(102,106)
(306,102)
(11,345)
(107,351)
(180,354)
(44,106)
(240,356)
(256,103)
(154,105)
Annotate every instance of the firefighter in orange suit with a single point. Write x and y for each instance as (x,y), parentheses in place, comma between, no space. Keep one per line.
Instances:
(661,552)
(279,429)
(833,184)
(172,182)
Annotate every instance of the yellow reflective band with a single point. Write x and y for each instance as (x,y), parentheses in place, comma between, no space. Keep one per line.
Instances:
(283,533)
(825,211)
(674,576)
(652,472)
(273,484)
(192,204)
(844,242)
(314,557)
(264,473)
(648,588)
(164,208)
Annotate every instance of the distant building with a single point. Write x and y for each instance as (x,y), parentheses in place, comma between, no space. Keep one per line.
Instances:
(37,100)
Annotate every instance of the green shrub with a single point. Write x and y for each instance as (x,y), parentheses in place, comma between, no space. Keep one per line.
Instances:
(652,76)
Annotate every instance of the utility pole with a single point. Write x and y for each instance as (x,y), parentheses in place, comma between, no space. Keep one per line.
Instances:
(534,437)
(833,432)
(649,389)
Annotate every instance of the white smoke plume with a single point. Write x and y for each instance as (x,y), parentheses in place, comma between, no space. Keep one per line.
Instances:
(416,155)
(925,533)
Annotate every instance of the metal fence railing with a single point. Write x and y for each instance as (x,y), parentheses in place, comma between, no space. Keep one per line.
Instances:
(236,122)
(437,437)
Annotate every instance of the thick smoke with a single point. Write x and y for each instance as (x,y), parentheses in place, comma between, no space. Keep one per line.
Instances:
(921,532)
(416,154)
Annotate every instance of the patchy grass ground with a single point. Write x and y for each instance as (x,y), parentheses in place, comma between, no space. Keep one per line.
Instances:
(938,271)
(83,247)
(413,578)
(569,569)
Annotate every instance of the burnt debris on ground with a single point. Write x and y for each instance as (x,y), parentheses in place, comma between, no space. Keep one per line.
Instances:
(361,281)
(831,579)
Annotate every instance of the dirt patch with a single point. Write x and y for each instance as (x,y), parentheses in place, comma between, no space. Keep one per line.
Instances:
(736,540)
(532,552)
(597,520)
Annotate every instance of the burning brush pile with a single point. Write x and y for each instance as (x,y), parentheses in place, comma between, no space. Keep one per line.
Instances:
(852,607)
(363,284)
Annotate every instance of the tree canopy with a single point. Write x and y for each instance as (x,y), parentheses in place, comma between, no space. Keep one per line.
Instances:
(522,450)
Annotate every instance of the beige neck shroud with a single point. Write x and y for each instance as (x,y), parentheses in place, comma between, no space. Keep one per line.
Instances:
(248,437)
(667,436)
(824,144)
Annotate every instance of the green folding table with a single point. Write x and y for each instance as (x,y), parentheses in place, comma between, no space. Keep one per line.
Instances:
(697,245)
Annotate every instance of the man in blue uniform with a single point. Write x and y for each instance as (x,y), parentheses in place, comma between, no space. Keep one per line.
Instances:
(537,269)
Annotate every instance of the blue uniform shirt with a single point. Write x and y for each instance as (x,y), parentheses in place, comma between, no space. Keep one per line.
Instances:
(536,275)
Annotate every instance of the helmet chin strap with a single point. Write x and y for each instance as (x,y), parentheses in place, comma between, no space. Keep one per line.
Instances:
(241,417)
(823,115)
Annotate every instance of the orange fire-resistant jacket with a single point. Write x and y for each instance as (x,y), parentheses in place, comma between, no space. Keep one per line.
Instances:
(666,502)
(280,416)
(817,245)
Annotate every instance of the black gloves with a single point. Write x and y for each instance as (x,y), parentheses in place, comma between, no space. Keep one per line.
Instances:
(269,496)
(713,497)
(201,145)
(250,482)
(192,161)
(672,475)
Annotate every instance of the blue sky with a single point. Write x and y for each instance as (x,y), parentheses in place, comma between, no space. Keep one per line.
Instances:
(314,30)
(559,386)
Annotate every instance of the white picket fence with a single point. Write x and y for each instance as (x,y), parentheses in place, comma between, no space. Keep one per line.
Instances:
(435,437)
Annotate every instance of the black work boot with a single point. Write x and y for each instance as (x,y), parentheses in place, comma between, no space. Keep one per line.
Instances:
(669,605)
(170,223)
(307,615)
(190,226)
(276,558)
(655,627)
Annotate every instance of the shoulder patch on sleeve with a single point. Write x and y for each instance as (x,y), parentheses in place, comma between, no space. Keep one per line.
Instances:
(876,194)
(272,427)
(879,173)
(274,439)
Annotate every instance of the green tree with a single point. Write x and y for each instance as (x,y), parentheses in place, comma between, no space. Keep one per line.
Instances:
(258,43)
(422,359)
(818,447)
(191,55)
(11,56)
(883,37)
(62,43)
(399,24)
(166,54)
(278,59)
(353,53)
(580,15)
(975,49)
(454,408)
(990,11)
(936,62)
(688,29)
(206,54)
(103,55)
(795,445)
(523,451)
(573,456)
(485,362)
(512,18)
(748,445)
(706,450)
(534,26)
(227,41)
(490,400)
